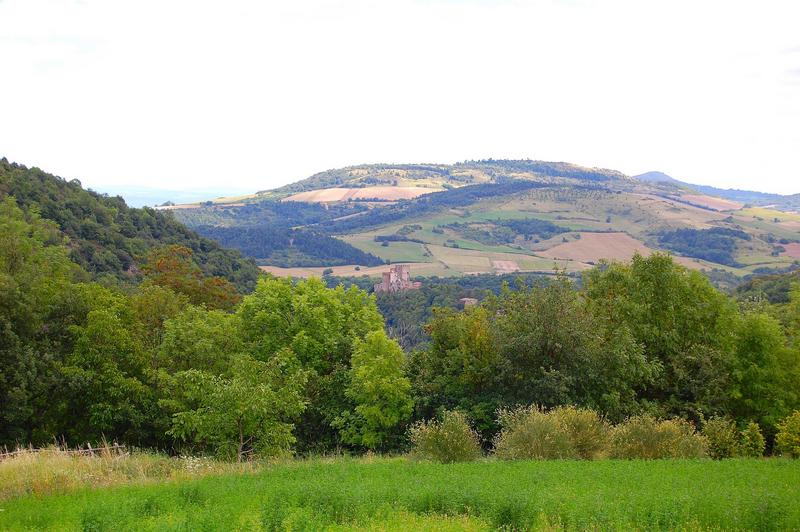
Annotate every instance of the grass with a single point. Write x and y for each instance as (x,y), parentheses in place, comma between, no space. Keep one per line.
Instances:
(398,494)
(53,470)
(766,226)
(465,260)
(395,251)
(769,214)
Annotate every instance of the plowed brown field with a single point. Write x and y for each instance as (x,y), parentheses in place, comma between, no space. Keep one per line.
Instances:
(595,246)
(344,194)
(792,250)
(718,204)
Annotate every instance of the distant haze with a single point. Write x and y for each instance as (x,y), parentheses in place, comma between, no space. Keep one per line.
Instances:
(246,95)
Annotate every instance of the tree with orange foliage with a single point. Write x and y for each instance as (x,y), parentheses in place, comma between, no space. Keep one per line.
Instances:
(173,267)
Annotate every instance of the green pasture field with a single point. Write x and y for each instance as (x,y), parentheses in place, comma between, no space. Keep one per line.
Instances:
(642,217)
(397,494)
(755,226)
(395,251)
(769,214)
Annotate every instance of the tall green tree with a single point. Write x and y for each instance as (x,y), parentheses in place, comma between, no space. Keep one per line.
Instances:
(557,351)
(765,376)
(152,307)
(540,345)
(681,321)
(247,411)
(107,390)
(380,390)
(37,306)
(200,339)
(460,370)
(319,325)
(793,315)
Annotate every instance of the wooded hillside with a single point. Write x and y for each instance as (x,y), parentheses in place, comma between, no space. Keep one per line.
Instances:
(109,239)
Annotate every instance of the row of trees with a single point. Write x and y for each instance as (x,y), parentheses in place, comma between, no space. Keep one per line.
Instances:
(649,337)
(184,362)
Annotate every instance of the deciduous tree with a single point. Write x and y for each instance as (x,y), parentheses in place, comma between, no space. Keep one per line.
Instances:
(380,391)
(248,410)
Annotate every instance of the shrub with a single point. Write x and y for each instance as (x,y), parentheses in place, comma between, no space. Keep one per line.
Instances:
(753,443)
(637,437)
(680,440)
(449,440)
(787,442)
(530,433)
(588,431)
(647,438)
(722,437)
(565,432)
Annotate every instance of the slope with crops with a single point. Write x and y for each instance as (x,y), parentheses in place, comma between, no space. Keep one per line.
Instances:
(495,216)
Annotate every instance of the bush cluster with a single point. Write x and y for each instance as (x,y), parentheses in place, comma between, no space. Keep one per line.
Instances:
(565,432)
(723,438)
(726,441)
(753,443)
(646,437)
(448,440)
(569,432)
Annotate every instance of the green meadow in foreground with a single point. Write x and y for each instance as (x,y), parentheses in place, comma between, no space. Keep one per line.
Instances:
(397,494)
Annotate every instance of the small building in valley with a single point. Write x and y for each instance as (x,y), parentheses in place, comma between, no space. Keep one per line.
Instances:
(397,279)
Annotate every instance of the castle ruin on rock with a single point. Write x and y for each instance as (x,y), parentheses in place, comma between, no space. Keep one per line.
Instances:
(397,279)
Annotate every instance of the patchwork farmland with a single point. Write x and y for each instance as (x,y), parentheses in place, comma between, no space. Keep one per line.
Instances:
(402,214)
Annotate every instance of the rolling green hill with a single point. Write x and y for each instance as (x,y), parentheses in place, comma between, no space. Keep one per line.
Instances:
(108,238)
(432,175)
(500,216)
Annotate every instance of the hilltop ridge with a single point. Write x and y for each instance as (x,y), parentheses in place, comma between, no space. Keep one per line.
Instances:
(788,202)
(494,216)
(433,175)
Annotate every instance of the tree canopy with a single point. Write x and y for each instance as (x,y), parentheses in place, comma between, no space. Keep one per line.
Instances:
(182,362)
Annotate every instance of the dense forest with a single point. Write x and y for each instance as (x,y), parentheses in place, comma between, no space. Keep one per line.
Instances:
(286,247)
(717,244)
(775,288)
(182,362)
(106,237)
(267,212)
(545,168)
(270,232)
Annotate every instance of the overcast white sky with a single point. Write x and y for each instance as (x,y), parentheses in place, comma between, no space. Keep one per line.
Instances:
(252,95)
